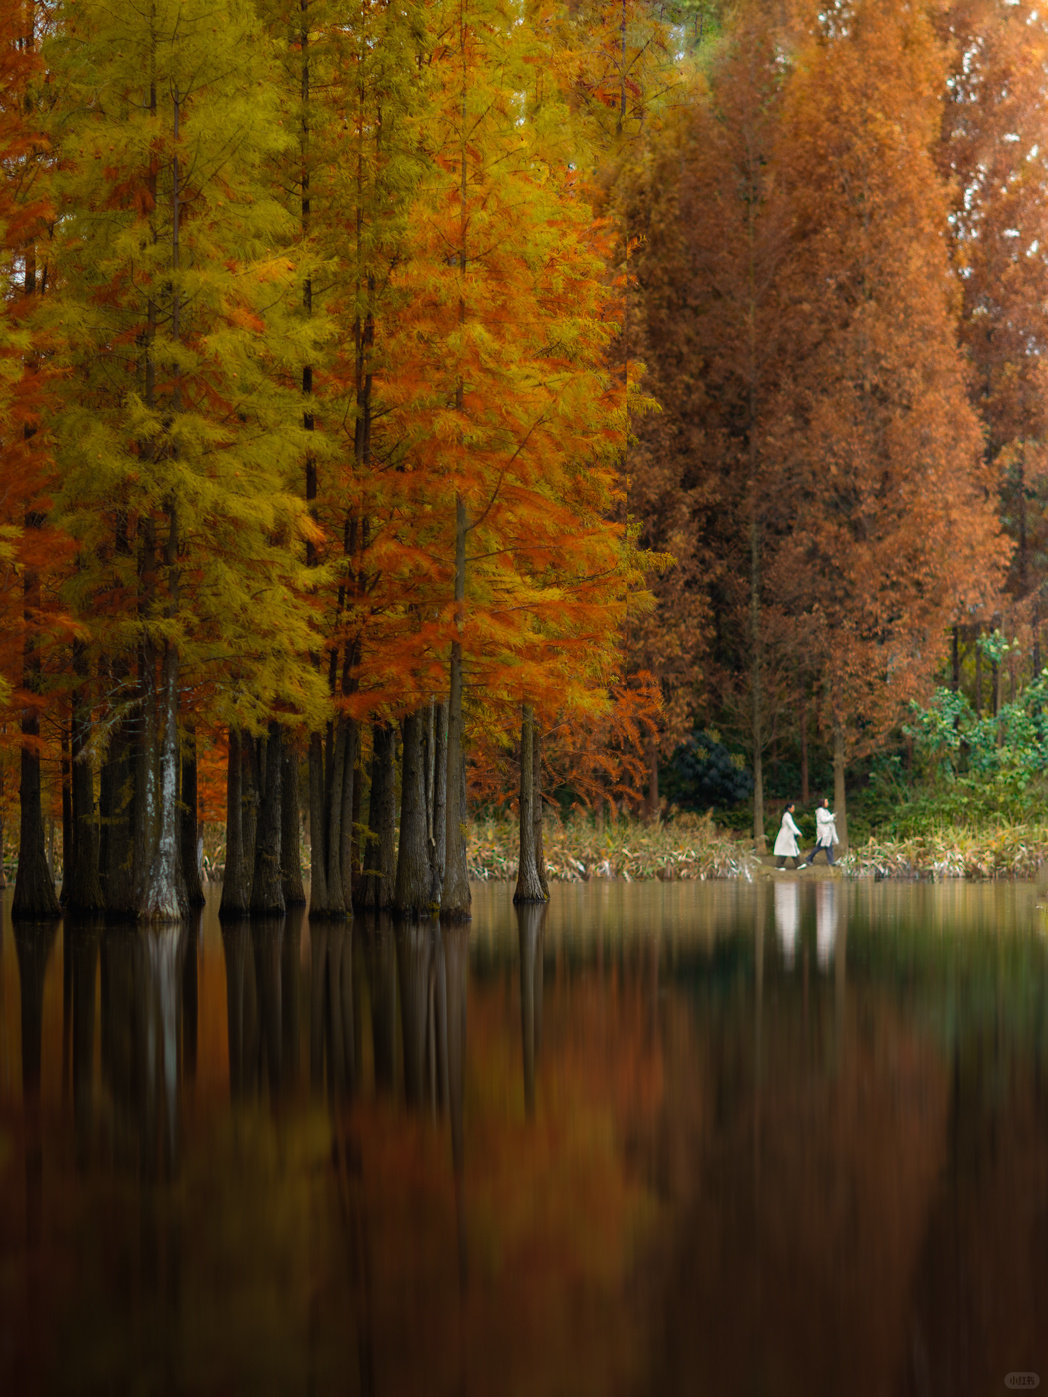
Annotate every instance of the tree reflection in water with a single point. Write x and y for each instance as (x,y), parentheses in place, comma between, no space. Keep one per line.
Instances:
(708,1168)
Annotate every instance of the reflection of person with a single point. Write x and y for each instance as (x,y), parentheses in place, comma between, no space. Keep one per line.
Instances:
(787,918)
(825,834)
(825,923)
(786,846)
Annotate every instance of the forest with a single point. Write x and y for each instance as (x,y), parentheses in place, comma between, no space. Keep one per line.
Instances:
(409,409)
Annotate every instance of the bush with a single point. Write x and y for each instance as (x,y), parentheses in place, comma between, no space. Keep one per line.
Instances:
(704,773)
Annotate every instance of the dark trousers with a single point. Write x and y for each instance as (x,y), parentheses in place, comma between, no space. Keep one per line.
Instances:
(781,860)
(827,849)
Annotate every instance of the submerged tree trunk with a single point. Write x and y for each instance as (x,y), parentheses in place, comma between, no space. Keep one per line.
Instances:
(267,893)
(840,806)
(455,898)
(290,833)
(188,807)
(411,896)
(529,886)
(380,856)
(81,886)
(236,889)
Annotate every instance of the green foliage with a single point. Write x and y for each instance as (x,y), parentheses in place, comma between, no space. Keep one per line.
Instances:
(971,771)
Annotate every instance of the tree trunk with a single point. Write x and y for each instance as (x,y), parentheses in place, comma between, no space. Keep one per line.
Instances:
(955,659)
(536,809)
(116,802)
(290,831)
(349,776)
(759,842)
(188,808)
(34,897)
(840,804)
(412,890)
(81,882)
(318,894)
(529,886)
(250,794)
(236,890)
(653,778)
(379,857)
(333,777)
(439,803)
(805,789)
(978,675)
(455,898)
(160,900)
(68,835)
(267,892)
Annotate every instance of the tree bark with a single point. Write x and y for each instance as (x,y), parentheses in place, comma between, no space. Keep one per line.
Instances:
(805,789)
(529,886)
(840,803)
(455,898)
(955,658)
(411,896)
(236,890)
(164,891)
(267,891)
(290,831)
(188,807)
(250,793)
(379,859)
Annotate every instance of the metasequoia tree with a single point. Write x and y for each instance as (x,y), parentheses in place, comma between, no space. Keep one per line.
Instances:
(512,421)
(33,552)
(891,529)
(179,440)
(714,329)
(993,153)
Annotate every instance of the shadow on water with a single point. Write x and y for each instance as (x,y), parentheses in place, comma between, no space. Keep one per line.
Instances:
(780,1139)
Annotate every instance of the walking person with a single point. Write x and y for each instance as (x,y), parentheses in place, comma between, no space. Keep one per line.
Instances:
(825,834)
(786,846)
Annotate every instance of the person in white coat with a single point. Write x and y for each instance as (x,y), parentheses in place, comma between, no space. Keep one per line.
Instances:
(825,834)
(786,846)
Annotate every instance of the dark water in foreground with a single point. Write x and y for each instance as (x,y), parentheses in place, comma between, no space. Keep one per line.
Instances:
(694,1138)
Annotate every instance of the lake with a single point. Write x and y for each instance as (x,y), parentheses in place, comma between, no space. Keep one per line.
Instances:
(719,1138)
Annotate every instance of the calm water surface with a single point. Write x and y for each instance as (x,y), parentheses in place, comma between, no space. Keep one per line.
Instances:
(772,1139)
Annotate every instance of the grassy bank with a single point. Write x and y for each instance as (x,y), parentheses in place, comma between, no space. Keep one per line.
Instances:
(999,851)
(577,850)
(693,847)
